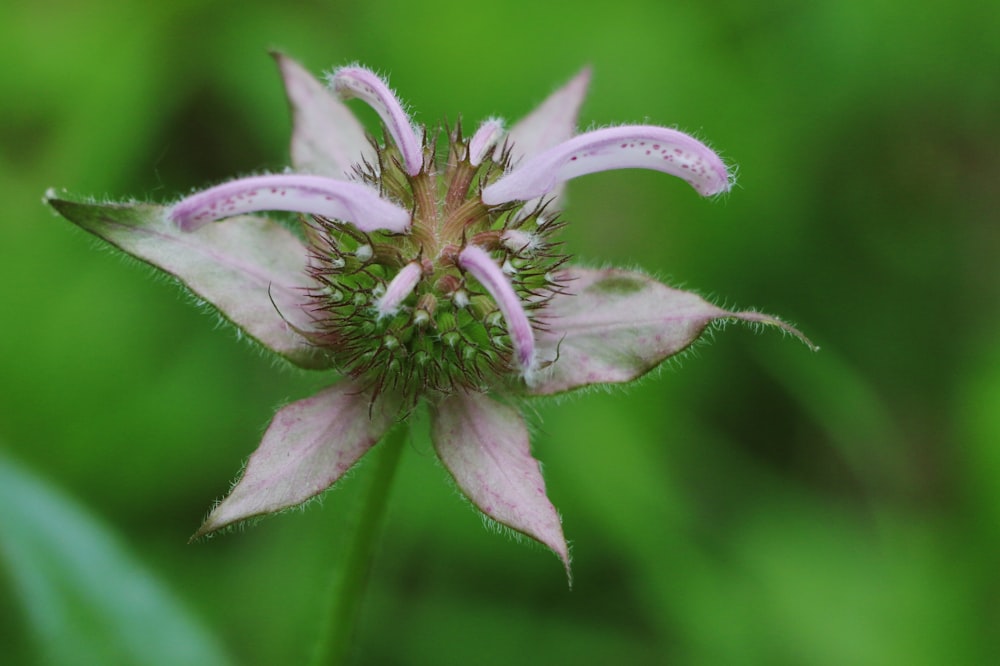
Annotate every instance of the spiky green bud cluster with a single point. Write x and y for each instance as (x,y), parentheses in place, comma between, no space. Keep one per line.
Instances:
(448,332)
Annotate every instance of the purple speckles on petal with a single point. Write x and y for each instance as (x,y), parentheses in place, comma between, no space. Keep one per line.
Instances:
(480,264)
(317,195)
(669,151)
(366,85)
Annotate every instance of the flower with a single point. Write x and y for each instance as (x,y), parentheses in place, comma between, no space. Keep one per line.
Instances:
(421,278)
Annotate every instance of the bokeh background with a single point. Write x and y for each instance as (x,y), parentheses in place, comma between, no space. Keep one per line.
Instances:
(753,504)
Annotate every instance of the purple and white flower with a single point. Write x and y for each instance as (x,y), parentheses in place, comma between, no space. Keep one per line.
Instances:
(420,279)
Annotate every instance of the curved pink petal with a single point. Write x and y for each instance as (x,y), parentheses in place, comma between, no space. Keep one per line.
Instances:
(252,269)
(366,85)
(632,147)
(612,326)
(316,195)
(485,138)
(485,446)
(327,139)
(308,446)
(399,288)
(481,265)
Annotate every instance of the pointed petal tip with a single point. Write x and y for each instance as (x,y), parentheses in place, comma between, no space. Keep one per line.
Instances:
(326,138)
(51,199)
(485,446)
(764,320)
(208,527)
(581,79)
(551,122)
(487,137)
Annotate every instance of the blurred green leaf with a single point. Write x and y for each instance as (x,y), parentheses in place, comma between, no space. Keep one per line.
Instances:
(87,599)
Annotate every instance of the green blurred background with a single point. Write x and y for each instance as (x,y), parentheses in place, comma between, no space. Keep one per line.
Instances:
(755,504)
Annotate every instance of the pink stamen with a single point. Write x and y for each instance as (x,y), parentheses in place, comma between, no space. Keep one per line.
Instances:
(367,86)
(338,199)
(399,289)
(485,138)
(480,264)
(629,147)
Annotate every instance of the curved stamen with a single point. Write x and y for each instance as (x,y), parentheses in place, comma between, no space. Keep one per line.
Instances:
(316,195)
(631,147)
(399,288)
(480,264)
(367,86)
(485,138)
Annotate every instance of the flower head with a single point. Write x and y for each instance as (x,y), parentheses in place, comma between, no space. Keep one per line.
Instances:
(427,269)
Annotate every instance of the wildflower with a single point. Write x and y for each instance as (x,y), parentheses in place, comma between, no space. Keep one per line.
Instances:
(421,279)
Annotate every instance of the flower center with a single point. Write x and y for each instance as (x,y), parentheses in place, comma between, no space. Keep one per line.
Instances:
(411,313)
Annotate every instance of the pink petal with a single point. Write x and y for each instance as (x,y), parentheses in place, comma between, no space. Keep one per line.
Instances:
(399,288)
(316,195)
(327,139)
(485,138)
(633,147)
(308,446)
(481,266)
(366,85)
(552,122)
(239,267)
(485,446)
(613,326)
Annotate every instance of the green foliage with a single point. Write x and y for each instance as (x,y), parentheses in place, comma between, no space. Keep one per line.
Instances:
(86,598)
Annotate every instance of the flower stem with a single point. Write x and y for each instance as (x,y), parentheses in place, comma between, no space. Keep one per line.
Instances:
(360,536)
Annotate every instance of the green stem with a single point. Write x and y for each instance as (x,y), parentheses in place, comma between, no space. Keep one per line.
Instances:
(355,564)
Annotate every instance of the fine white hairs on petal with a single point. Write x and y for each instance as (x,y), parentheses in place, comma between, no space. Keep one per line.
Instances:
(399,289)
(316,195)
(481,265)
(364,84)
(629,147)
(486,137)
